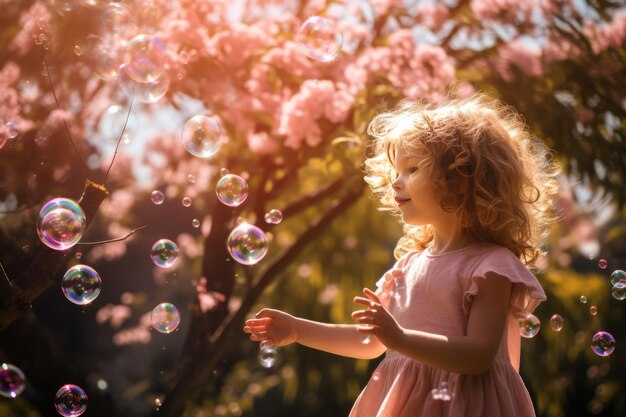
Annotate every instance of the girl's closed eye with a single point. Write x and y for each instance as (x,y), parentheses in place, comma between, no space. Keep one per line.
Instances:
(412,170)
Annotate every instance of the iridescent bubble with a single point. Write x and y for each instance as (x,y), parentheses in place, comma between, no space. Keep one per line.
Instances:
(191,179)
(78,51)
(618,276)
(529,326)
(157,197)
(12,380)
(12,130)
(602,264)
(268,356)
(116,19)
(81,284)
(146,92)
(320,39)
(619,291)
(165,253)
(106,55)
(61,223)
(145,58)
(583,299)
(114,120)
(202,136)
(186,201)
(165,318)
(195,223)
(70,401)
(556,322)
(603,343)
(274,216)
(224,171)
(247,244)
(232,190)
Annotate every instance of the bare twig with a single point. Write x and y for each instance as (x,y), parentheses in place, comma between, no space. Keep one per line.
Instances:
(113,240)
(119,140)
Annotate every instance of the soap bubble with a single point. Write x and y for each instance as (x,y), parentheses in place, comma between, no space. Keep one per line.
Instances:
(603,343)
(61,223)
(529,326)
(157,197)
(247,244)
(81,284)
(114,120)
(106,55)
(202,136)
(618,276)
(224,171)
(12,130)
(232,190)
(145,58)
(191,179)
(583,299)
(70,401)
(320,39)
(556,322)
(593,310)
(274,216)
(165,318)
(619,291)
(148,92)
(186,201)
(195,223)
(602,264)
(268,356)
(165,253)
(12,380)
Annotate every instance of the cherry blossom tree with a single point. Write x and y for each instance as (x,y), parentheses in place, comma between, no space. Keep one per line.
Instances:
(294,128)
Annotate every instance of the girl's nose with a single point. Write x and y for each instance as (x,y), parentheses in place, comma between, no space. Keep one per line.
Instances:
(396,184)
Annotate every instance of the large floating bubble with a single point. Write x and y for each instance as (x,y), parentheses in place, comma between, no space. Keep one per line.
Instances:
(319,38)
(202,136)
(165,318)
(61,223)
(12,380)
(81,284)
(603,343)
(116,120)
(529,326)
(70,401)
(619,291)
(618,276)
(247,244)
(556,322)
(165,253)
(232,190)
(268,356)
(145,58)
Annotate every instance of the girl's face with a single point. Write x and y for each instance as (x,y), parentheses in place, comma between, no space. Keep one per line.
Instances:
(414,193)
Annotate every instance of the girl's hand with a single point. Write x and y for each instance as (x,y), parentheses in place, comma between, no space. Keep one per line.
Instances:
(272,328)
(376,320)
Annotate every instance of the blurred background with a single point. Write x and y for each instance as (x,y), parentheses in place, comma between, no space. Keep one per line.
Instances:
(236,131)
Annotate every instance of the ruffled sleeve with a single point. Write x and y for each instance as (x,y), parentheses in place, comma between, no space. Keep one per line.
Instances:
(526,292)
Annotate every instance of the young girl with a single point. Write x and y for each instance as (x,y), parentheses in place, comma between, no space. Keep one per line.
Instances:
(474,191)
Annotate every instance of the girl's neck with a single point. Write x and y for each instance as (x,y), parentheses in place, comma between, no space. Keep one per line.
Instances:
(447,240)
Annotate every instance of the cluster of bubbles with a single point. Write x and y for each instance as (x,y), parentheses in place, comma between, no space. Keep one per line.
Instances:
(320,39)
(529,326)
(12,380)
(165,253)
(70,401)
(61,223)
(202,136)
(165,318)
(81,284)
(442,393)
(618,282)
(268,356)
(232,190)
(247,244)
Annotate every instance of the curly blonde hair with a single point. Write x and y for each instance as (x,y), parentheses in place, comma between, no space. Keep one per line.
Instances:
(485,166)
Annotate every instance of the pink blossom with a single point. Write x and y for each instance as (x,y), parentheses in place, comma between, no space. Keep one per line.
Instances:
(233,47)
(138,334)
(208,300)
(33,23)
(519,54)
(608,35)
(506,11)
(188,245)
(433,15)
(261,143)
(116,315)
(382,7)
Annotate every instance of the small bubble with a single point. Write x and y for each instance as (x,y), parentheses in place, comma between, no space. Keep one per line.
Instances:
(273,216)
(268,356)
(186,201)
(195,223)
(191,179)
(593,310)
(602,264)
(224,171)
(619,291)
(583,299)
(556,322)
(157,197)
(618,276)
(603,343)
(78,51)
(529,326)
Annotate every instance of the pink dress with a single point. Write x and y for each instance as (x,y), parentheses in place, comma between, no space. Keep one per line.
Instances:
(434,293)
